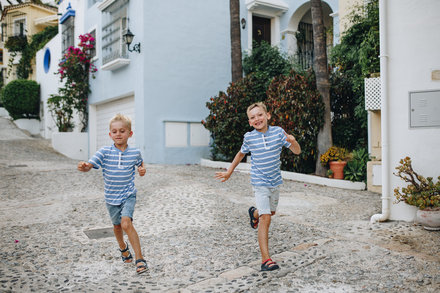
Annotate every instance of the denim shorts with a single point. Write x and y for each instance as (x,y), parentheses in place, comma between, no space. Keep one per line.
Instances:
(266,199)
(125,209)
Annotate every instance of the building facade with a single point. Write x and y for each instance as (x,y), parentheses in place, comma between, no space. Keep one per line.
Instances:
(183,60)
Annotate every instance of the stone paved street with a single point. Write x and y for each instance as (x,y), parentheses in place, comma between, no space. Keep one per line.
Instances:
(195,233)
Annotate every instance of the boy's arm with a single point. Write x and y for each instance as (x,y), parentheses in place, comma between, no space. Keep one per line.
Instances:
(223,176)
(294,145)
(84,166)
(142,170)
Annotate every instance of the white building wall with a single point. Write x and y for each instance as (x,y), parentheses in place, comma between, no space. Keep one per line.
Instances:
(413,52)
(49,83)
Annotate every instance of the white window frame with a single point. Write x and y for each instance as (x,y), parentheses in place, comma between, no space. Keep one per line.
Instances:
(114,50)
(14,27)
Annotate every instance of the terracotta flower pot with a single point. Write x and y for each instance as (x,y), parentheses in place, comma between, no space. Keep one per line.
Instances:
(338,169)
(429,219)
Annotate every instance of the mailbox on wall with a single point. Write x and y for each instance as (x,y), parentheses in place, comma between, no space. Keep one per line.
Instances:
(424,107)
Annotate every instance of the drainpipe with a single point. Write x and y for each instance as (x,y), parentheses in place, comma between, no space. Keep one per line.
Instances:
(386,199)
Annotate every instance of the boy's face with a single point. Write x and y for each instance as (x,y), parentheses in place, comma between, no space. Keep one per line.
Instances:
(120,133)
(258,119)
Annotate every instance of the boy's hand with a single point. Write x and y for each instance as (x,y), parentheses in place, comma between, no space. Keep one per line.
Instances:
(223,176)
(290,138)
(142,170)
(294,145)
(84,166)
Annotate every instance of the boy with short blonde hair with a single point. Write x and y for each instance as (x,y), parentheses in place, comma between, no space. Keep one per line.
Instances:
(118,163)
(265,144)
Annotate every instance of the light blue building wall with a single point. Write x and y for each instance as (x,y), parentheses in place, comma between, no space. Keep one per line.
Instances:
(184,60)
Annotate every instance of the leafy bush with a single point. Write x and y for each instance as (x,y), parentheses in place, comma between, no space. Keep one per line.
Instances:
(62,111)
(297,107)
(16,43)
(347,130)
(21,98)
(355,58)
(265,59)
(356,168)
(265,63)
(228,121)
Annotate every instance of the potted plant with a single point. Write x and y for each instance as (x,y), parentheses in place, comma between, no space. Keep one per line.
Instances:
(421,192)
(335,157)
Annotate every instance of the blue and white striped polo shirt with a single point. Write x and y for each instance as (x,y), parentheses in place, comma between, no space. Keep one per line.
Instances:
(265,151)
(118,169)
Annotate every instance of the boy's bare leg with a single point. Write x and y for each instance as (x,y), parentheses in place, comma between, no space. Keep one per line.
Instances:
(263,236)
(133,237)
(117,230)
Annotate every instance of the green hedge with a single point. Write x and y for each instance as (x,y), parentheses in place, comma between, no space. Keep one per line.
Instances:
(21,98)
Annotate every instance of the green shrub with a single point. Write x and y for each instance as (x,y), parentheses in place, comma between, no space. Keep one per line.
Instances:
(354,58)
(356,168)
(62,111)
(265,63)
(348,130)
(297,107)
(16,43)
(21,98)
(228,120)
(266,59)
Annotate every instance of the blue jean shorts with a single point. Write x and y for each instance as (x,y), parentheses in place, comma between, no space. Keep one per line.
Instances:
(125,209)
(266,199)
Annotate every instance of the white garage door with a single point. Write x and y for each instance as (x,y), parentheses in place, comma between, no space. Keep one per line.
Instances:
(105,112)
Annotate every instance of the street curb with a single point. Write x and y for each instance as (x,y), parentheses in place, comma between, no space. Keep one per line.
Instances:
(344,184)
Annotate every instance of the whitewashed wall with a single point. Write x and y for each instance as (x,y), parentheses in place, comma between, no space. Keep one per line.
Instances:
(413,50)
(49,83)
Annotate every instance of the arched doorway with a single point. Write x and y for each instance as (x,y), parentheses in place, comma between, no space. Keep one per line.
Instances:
(300,34)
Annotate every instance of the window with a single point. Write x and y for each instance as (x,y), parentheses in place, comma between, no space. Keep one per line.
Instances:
(93,51)
(19,27)
(4,32)
(1,56)
(68,33)
(114,24)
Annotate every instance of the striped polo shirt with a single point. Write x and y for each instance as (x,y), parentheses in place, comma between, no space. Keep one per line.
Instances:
(265,149)
(118,169)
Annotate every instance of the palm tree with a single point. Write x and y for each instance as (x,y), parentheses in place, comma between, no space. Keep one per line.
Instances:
(236,65)
(322,80)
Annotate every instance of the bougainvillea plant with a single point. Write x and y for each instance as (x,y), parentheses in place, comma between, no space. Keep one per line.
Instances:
(74,70)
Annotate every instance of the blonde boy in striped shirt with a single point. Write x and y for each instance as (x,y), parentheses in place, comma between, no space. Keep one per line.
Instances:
(118,163)
(265,144)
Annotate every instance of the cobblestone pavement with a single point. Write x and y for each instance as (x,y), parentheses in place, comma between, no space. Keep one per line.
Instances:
(195,233)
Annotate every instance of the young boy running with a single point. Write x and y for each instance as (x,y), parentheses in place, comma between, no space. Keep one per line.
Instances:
(265,144)
(118,163)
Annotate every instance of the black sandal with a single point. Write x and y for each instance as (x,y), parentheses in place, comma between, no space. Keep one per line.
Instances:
(142,268)
(269,265)
(254,221)
(126,259)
